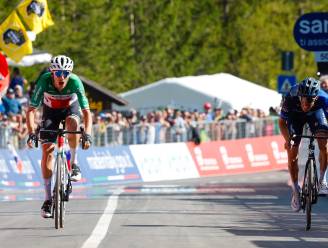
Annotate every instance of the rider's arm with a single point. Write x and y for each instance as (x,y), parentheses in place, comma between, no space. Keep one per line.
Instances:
(284,129)
(87,120)
(30,119)
(84,104)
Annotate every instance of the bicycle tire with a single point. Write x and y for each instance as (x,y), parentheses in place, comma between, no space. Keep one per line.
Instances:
(309,196)
(57,192)
(62,190)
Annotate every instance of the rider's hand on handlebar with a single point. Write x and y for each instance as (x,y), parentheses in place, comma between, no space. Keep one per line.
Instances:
(290,142)
(31,139)
(86,141)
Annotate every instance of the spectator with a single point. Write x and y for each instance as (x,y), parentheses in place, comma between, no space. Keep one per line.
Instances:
(13,109)
(179,127)
(20,96)
(324,83)
(17,79)
(2,107)
(208,111)
(169,116)
(218,114)
(12,106)
(151,131)
(142,130)
(161,127)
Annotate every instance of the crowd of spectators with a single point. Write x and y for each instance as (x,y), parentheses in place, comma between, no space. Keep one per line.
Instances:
(130,127)
(175,125)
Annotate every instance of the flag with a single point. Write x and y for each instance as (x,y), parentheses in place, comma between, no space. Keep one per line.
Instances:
(4,74)
(35,14)
(16,157)
(13,38)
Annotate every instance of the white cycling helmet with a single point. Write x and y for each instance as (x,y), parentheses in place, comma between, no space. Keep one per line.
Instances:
(61,62)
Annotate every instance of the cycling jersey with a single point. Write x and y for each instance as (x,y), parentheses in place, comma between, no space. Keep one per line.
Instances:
(47,94)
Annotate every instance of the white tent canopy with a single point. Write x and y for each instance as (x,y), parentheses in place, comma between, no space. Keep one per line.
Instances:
(191,92)
(38,57)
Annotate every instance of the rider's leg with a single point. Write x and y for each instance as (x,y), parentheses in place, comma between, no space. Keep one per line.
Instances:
(46,165)
(72,124)
(293,166)
(322,143)
(293,171)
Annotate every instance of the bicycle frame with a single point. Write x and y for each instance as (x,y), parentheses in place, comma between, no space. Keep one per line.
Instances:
(62,183)
(309,194)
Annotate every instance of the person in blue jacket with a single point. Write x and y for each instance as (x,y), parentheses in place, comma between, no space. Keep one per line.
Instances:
(306,103)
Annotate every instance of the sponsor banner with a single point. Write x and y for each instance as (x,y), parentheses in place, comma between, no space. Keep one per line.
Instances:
(108,165)
(164,161)
(35,14)
(17,170)
(239,156)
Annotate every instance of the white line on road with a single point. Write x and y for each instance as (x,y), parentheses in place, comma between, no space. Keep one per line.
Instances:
(100,231)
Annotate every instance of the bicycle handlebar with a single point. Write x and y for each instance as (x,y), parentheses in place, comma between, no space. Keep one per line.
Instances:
(308,136)
(57,132)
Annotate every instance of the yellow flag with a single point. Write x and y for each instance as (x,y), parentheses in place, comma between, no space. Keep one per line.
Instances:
(35,14)
(13,38)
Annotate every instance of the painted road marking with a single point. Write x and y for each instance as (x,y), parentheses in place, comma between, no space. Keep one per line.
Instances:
(100,231)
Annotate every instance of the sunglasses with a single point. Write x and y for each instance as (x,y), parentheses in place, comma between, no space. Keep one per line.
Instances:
(62,73)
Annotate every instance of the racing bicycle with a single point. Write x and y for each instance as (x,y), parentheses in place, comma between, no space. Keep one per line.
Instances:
(61,178)
(310,187)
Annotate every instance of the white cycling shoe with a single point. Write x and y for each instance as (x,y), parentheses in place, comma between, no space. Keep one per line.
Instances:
(323,188)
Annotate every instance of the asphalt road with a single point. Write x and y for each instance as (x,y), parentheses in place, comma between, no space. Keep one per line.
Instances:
(229,211)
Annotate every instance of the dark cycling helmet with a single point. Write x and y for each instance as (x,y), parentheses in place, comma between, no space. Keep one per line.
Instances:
(309,87)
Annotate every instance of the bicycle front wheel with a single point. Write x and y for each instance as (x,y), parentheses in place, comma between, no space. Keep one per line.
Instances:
(57,192)
(309,194)
(64,179)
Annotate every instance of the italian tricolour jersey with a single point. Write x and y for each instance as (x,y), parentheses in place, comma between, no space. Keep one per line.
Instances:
(47,94)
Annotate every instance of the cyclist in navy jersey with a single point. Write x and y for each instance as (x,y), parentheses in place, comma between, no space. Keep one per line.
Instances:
(305,103)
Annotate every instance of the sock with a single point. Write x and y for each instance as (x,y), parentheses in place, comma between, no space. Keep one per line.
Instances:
(295,186)
(322,176)
(47,188)
(73,155)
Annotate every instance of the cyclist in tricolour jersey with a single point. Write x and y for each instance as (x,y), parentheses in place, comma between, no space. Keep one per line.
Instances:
(63,97)
(305,103)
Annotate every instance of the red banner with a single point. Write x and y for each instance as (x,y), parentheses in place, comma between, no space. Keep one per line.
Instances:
(239,156)
(4,73)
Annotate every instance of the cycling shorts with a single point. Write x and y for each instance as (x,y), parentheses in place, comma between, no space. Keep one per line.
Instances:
(51,119)
(316,120)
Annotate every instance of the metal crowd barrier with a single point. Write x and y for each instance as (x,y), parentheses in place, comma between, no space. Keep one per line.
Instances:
(154,133)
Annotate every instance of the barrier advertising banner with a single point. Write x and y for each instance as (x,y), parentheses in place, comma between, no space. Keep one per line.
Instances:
(149,163)
(17,170)
(164,161)
(237,156)
(109,164)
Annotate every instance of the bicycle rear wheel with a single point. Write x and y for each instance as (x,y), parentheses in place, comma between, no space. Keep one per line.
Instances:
(309,194)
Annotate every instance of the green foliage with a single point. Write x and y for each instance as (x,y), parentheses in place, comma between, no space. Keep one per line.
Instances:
(123,44)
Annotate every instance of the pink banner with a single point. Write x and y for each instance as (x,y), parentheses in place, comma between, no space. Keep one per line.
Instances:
(239,156)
